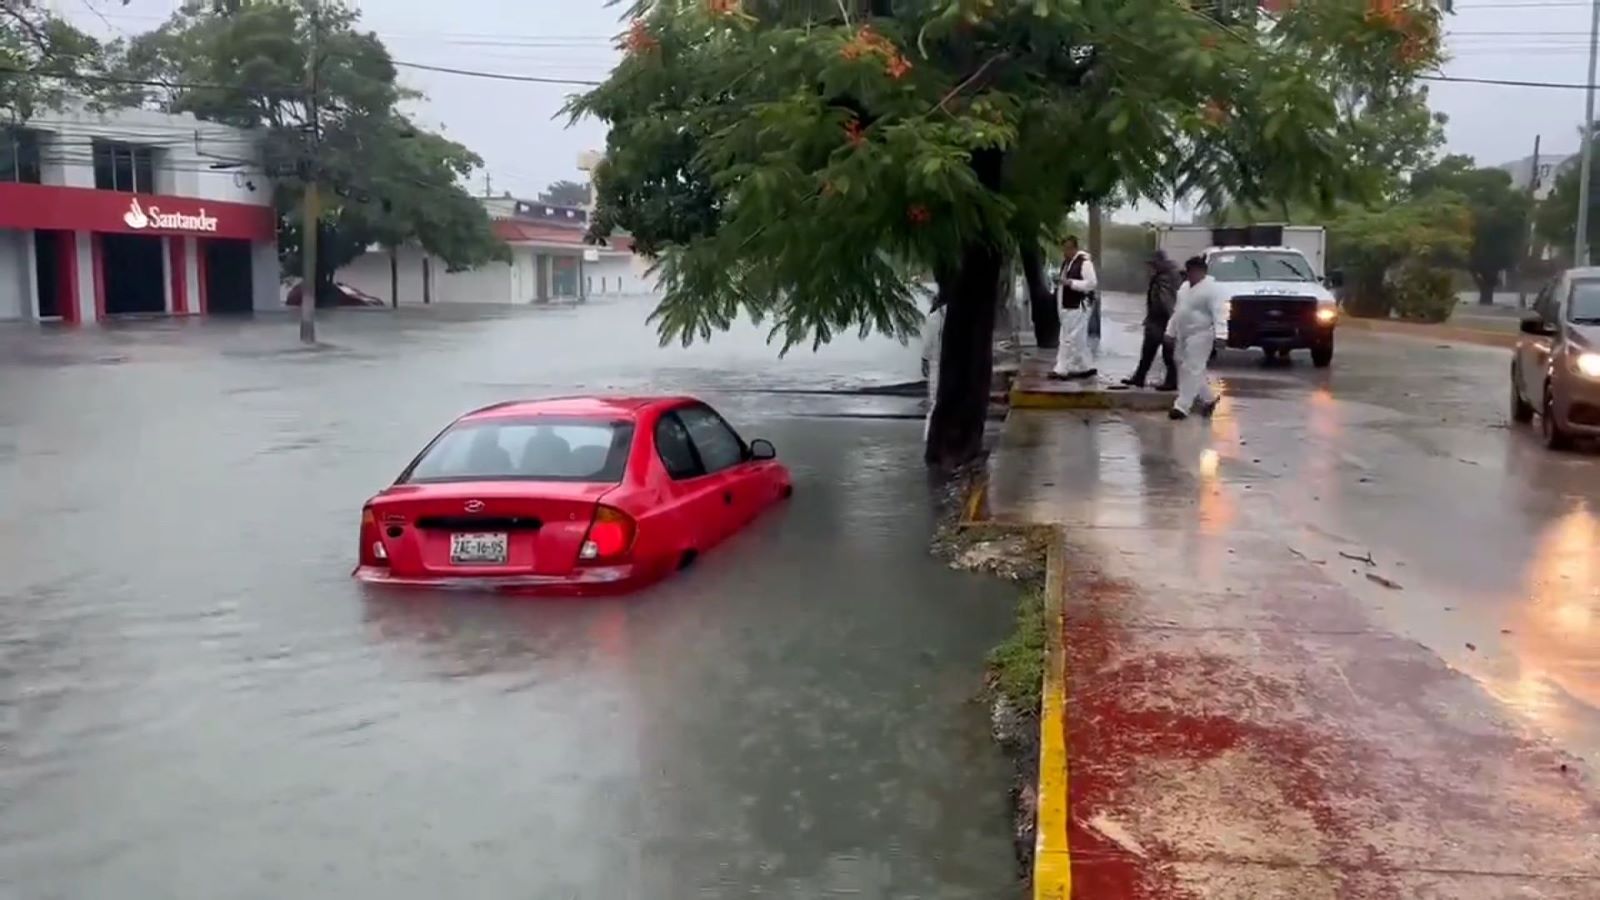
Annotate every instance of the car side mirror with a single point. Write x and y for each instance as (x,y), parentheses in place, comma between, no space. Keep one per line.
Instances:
(1537,326)
(762,449)
(1334,279)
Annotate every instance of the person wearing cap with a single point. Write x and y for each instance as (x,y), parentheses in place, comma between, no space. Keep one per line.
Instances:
(1159,299)
(1201,306)
(1075,286)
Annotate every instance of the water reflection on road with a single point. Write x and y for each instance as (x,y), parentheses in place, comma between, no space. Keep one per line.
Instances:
(195,701)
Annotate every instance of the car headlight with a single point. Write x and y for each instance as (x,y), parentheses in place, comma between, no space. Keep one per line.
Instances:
(1588,364)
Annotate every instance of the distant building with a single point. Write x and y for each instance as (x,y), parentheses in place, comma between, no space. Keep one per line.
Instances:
(549,261)
(1550,168)
(120,212)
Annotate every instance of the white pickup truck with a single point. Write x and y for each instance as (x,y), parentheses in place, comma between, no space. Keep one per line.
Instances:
(1274,273)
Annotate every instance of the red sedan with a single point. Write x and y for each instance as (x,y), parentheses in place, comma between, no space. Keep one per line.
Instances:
(576,495)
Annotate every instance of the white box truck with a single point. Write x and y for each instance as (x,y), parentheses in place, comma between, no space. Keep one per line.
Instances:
(1275,274)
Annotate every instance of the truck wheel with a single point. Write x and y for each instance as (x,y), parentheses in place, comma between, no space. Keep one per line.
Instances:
(1322,355)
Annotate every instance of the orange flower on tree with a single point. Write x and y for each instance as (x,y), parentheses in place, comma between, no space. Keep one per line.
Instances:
(917,214)
(1215,113)
(868,42)
(853,132)
(639,39)
(724,7)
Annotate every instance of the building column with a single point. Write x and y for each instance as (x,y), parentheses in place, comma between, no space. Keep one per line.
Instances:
(85,275)
(195,266)
(177,270)
(30,271)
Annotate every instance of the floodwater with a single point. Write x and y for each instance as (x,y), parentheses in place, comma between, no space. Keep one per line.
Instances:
(196,701)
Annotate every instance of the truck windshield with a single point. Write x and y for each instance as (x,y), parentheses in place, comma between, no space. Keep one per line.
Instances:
(1260,265)
(1585,306)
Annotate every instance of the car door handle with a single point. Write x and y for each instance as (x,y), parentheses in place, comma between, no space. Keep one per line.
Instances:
(727,497)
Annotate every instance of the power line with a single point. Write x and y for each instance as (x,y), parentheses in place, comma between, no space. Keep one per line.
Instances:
(496,76)
(1509,82)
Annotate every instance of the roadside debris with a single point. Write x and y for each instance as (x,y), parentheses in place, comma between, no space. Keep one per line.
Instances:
(1364,559)
(1379,579)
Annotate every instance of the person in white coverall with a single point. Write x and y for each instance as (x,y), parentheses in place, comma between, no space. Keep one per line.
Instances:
(1201,306)
(932,346)
(1075,287)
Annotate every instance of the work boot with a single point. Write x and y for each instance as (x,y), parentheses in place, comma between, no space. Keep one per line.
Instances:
(1168,386)
(1086,373)
(1133,382)
(1177,415)
(1207,409)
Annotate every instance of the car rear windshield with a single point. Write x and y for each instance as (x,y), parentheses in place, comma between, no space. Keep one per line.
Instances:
(1585,306)
(536,449)
(1260,265)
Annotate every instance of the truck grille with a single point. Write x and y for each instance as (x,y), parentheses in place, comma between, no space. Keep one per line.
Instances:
(1272,321)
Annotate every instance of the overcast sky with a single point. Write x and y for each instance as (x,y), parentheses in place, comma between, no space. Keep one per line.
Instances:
(513,125)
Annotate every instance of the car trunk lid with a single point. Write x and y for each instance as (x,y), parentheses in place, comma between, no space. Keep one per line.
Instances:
(486,529)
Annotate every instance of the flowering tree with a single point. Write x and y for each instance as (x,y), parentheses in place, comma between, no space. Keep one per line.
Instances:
(783,158)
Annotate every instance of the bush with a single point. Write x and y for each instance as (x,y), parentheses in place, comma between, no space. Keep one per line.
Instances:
(1422,292)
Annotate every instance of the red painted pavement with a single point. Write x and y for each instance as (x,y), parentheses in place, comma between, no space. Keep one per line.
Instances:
(1249,714)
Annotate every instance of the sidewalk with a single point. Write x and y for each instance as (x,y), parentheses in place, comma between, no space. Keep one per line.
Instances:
(1116,354)
(1241,720)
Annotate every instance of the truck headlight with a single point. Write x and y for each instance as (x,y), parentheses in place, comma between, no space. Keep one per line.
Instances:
(1588,364)
(1327,315)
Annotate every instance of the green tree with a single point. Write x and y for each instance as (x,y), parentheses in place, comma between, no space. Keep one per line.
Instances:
(391,182)
(40,55)
(1499,216)
(777,155)
(1556,219)
(566,193)
(1369,243)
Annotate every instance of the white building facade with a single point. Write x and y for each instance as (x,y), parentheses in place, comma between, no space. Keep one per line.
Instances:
(549,263)
(127,212)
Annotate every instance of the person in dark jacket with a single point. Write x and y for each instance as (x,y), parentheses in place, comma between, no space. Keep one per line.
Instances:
(1160,297)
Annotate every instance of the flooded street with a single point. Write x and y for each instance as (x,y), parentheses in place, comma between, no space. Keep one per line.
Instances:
(197,701)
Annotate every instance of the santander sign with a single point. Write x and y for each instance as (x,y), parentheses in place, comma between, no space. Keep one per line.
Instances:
(139,219)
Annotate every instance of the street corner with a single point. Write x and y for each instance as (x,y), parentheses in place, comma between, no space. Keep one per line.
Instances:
(1040,392)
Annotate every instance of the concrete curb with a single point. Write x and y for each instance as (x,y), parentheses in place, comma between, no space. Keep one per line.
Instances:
(1052,856)
(1425,331)
(1038,393)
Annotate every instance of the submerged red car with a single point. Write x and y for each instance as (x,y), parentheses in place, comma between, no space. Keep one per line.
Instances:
(574,495)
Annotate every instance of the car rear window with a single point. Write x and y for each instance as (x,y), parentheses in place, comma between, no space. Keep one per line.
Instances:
(539,449)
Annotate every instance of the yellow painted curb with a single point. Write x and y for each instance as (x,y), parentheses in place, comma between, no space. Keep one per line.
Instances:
(1091,400)
(1052,859)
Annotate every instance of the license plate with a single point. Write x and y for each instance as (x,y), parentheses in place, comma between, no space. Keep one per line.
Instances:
(478,549)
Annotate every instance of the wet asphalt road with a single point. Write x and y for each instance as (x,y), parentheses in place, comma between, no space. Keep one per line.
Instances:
(196,701)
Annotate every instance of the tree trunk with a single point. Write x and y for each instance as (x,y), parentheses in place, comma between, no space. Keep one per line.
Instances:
(394,277)
(966,357)
(1046,321)
(1096,249)
(1486,285)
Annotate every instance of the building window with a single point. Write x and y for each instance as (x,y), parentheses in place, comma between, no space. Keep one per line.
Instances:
(124,167)
(19,155)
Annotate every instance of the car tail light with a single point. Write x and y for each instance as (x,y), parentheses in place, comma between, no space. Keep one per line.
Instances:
(610,536)
(372,552)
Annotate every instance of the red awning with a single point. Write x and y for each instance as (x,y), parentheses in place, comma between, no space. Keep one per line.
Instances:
(513,231)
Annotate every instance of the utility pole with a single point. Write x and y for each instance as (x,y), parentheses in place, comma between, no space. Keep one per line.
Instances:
(312,211)
(1580,250)
(488,184)
(1527,244)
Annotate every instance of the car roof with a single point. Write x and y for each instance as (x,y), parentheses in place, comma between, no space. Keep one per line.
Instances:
(590,406)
